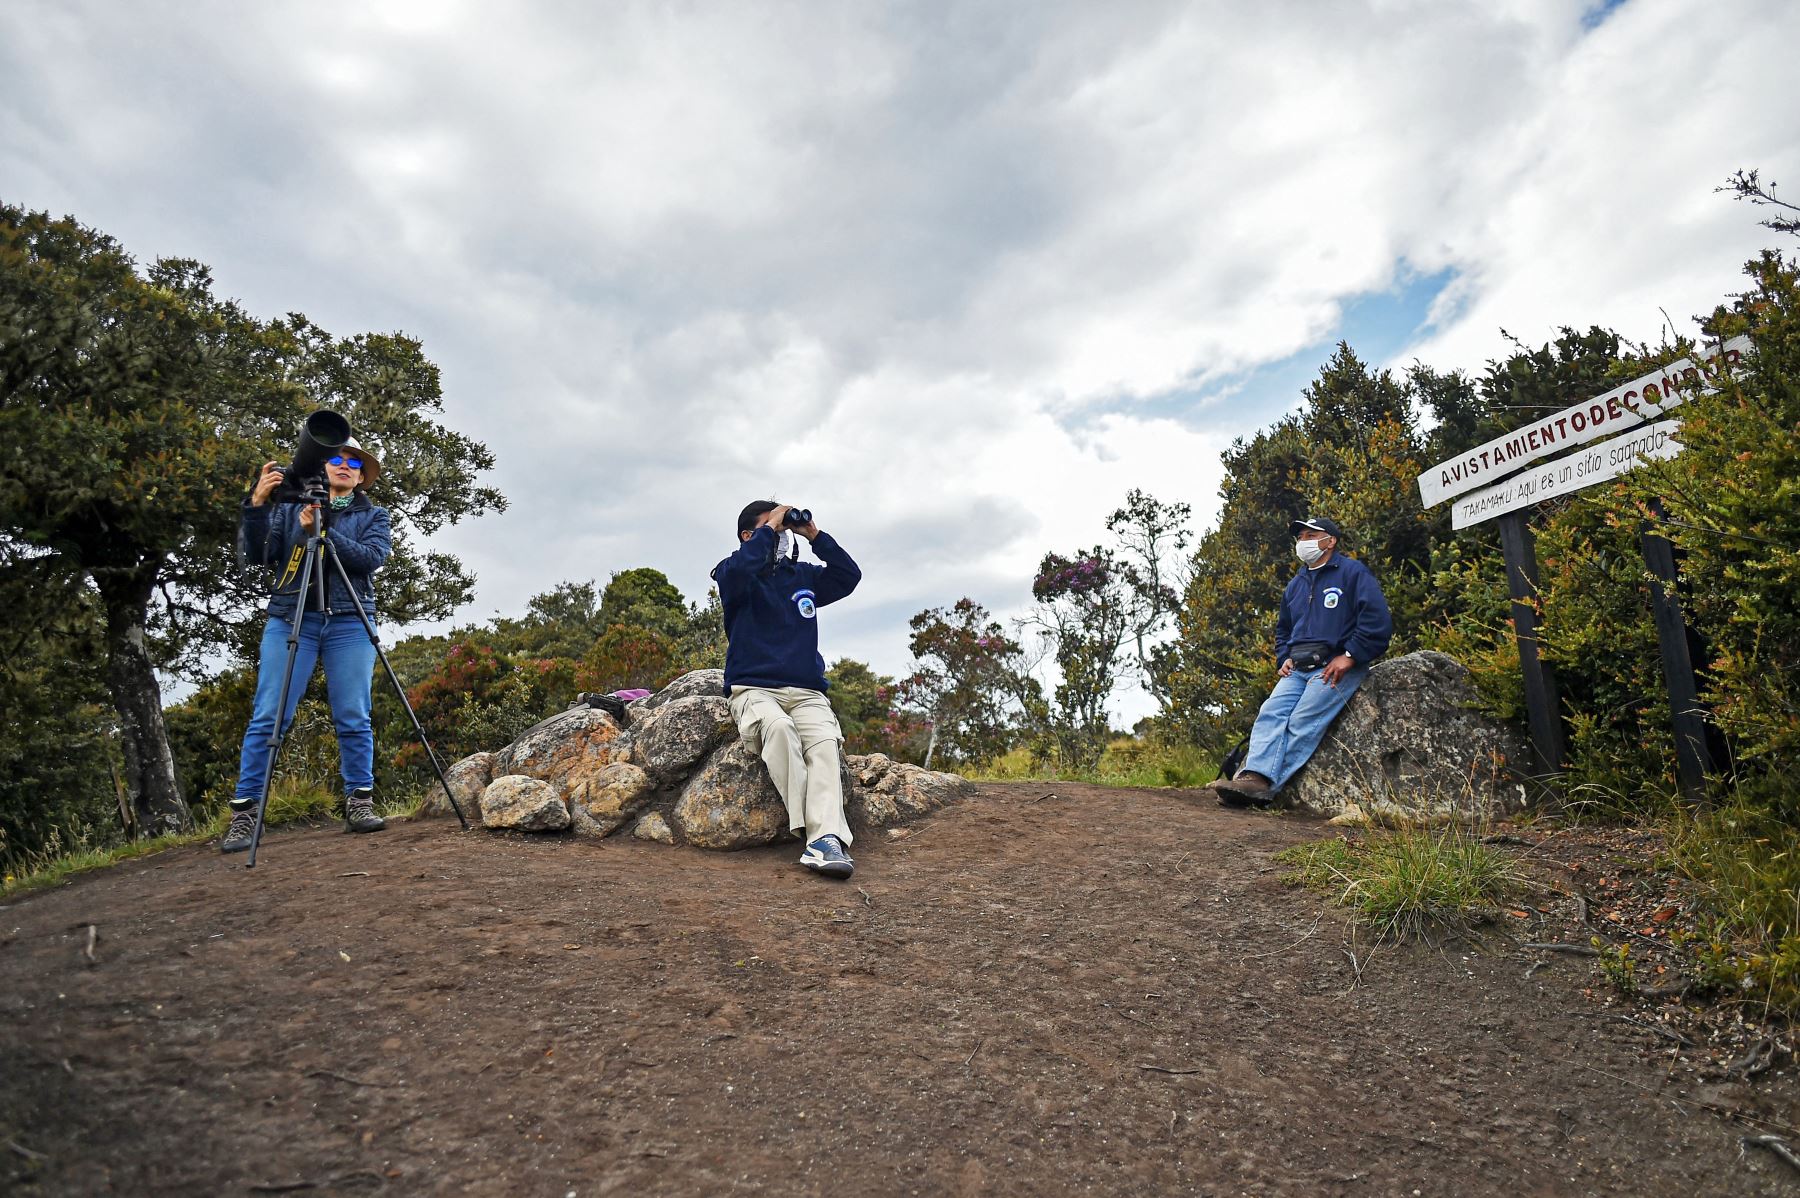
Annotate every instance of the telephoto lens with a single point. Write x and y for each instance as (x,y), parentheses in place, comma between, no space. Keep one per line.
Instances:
(797,517)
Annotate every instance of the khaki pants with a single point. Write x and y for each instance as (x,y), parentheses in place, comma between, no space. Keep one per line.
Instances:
(797,734)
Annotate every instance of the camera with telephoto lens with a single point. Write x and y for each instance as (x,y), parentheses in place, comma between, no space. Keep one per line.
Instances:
(797,517)
(322,435)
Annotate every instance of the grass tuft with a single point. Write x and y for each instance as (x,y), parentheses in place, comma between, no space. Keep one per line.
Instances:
(1404,882)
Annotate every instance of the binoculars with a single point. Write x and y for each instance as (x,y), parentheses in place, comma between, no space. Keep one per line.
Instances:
(797,517)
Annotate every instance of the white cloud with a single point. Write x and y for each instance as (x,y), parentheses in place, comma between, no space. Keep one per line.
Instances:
(941,273)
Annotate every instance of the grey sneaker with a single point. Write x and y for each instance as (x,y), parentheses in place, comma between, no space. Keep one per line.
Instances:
(237,836)
(359,812)
(826,856)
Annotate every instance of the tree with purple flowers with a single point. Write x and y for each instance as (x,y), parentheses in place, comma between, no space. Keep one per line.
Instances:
(1083,618)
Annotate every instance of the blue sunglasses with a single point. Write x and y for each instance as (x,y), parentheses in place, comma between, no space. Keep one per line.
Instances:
(341,460)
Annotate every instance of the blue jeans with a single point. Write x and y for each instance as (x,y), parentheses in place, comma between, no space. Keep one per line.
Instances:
(1293,721)
(349,657)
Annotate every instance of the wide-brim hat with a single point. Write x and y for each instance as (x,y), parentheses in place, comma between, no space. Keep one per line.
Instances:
(1317,524)
(371,465)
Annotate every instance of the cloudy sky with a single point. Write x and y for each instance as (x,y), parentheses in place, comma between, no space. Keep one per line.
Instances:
(955,275)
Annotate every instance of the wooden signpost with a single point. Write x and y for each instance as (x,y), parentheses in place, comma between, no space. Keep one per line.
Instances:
(1505,478)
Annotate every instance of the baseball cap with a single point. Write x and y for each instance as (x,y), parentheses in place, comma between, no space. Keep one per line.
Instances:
(1317,524)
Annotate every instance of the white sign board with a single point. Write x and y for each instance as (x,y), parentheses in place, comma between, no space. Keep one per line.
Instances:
(1582,468)
(1608,415)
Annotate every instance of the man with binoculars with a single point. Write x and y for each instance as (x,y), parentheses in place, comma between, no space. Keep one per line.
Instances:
(775,676)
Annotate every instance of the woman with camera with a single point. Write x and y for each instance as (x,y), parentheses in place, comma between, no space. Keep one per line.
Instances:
(276,534)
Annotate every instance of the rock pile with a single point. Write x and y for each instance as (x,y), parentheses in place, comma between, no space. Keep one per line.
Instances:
(675,772)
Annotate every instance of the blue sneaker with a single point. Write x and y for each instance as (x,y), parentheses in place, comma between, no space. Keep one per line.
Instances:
(826,856)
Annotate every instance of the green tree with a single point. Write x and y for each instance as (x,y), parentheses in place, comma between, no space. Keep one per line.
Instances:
(564,621)
(970,682)
(1730,501)
(58,759)
(859,699)
(701,645)
(134,408)
(628,657)
(644,598)
(1152,537)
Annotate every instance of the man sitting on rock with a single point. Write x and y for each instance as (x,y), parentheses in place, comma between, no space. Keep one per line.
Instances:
(1334,623)
(775,676)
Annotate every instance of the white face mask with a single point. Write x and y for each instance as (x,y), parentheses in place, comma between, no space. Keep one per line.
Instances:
(787,545)
(1308,551)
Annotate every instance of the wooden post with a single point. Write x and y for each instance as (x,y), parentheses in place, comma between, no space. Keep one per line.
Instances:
(1543,709)
(1693,762)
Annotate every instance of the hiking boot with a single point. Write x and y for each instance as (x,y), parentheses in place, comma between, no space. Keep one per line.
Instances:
(237,836)
(826,856)
(1245,790)
(359,812)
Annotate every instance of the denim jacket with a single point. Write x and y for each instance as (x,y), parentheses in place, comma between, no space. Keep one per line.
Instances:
(271,535)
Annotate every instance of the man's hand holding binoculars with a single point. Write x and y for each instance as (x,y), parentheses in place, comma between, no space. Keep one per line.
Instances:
(777,518)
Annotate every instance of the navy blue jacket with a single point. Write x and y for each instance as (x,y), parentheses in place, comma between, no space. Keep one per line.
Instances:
(1339,603)
(271,535)
(770,624)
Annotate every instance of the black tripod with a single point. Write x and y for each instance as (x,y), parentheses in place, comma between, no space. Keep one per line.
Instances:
(318,547)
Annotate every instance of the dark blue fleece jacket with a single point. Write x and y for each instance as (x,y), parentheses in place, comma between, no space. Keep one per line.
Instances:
(1339,603)
(271,535)
(771,627)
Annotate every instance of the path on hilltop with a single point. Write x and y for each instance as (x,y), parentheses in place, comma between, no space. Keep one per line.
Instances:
(1047,989)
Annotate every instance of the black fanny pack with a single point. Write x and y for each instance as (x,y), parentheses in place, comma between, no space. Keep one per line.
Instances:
(1310,655)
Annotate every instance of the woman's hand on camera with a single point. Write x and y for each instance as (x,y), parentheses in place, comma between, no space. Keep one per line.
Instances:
(266,484)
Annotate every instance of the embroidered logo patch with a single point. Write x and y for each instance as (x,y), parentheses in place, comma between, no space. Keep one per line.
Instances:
(1332,595)
(804,601)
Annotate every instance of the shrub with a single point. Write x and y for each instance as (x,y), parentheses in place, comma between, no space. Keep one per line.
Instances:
(1746,857)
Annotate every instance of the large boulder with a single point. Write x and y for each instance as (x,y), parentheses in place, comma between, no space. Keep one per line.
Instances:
(899,792)
(730,803)
(695,682)
(601,802)
(1411,746)
(681,735)
(523,804)
(467,779)
(565,747)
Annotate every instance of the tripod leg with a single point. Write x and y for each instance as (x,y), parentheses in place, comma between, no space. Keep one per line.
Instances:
(287,680)
(399,691)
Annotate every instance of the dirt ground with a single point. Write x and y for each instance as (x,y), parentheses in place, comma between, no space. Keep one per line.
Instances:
(1048,989)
